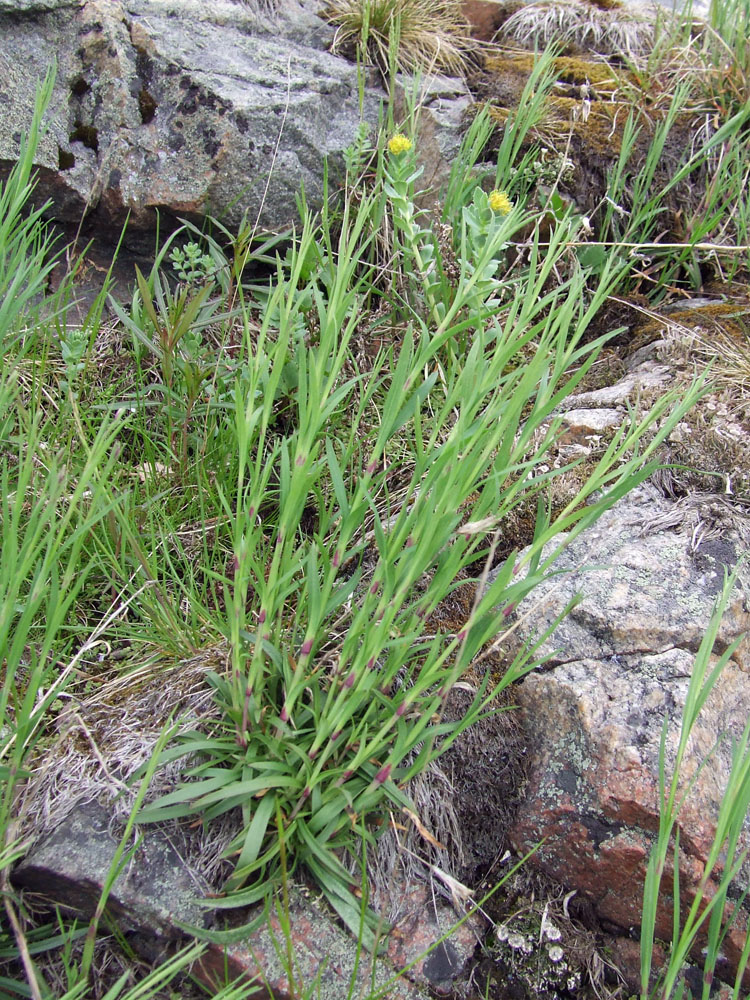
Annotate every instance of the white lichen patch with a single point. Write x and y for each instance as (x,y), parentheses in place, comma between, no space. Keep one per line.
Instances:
(542,948)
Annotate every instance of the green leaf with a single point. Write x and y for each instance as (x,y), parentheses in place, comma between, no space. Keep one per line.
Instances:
(256,831)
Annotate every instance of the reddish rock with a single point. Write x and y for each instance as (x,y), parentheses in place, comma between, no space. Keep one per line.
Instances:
(157,892)
(621,663)
(484,16)
(624,953)
(424,921)
(322,954)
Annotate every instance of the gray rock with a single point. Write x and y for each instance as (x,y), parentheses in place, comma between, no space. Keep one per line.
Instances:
(443,102)
(644,590)
(35,6)
(154,889)
(187,107)
(324,954)
(646,376)
(619,665)
(156,892)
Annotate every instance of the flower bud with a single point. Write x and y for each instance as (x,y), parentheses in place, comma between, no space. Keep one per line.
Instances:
(383,775)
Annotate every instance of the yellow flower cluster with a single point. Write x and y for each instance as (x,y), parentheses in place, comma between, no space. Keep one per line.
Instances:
(500,202)
(399,144)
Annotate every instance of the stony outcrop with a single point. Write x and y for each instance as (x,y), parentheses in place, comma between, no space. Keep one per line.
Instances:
(157,893)
(153,889)
(618,666)
(184,107)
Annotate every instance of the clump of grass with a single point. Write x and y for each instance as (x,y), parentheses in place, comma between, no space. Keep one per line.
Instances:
(639,217)
(335,690)
(617,31)
(431,35)
(726,48)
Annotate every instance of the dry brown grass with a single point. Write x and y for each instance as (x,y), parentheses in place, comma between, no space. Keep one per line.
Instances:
(431,35)
(618,31)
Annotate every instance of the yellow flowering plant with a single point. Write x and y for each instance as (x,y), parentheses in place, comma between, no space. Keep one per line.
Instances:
(486,225)
(399,143)
(489,221)
(418,244)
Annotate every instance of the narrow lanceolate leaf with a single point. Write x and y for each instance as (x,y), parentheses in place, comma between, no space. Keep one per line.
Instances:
(256,831)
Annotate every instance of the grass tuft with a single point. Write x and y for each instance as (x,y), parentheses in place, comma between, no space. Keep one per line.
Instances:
(428,35)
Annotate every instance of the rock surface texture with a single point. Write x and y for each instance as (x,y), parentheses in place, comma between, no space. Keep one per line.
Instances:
(154,888)
(157,892)
(178,106)
(620,664)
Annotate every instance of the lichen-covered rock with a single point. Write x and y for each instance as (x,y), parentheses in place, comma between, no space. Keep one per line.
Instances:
(185,107)
(156,894)
(620,665)
(153,892)
(423,921)
(25,6)
(323,954)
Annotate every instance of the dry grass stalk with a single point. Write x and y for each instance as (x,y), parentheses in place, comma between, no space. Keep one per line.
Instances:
(621,32)
(432,34)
